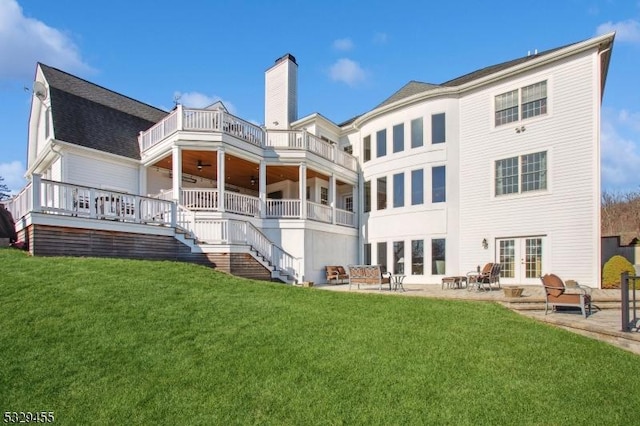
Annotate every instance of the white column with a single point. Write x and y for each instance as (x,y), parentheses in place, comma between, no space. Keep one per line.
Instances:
(262,188)
(359,214)
(332,197)
(355,195)
(176,171)
(303,190)
(180,117)
(221,180)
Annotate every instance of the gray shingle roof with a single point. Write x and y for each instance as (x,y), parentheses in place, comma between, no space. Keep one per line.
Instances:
(89,115)
(409,89)
(492,69)
(415,87)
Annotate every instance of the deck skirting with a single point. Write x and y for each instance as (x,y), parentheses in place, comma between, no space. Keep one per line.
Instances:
(46,240)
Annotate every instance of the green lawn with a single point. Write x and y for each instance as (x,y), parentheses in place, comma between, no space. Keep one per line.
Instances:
(103,341)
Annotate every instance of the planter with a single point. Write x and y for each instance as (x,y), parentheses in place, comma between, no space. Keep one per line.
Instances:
(513,291)
(307,284)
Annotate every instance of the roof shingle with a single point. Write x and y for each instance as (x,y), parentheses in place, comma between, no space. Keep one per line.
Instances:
(89,115)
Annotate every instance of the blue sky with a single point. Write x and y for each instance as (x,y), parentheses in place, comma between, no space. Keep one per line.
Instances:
(351,54)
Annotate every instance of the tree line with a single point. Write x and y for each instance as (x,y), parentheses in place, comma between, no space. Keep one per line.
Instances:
(620,213)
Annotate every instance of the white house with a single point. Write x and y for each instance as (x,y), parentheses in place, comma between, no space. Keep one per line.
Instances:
(499,165)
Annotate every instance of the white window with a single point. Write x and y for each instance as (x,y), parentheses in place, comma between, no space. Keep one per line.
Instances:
(521,174)
(526,102)
(348,203)
(324,195)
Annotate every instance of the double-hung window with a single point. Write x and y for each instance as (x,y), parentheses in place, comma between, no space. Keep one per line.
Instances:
(520,104)
(521,174)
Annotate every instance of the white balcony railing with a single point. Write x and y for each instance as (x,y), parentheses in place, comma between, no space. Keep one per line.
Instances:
(344,217)
(242,204)
(199,199)
(207,199)
(47,196)
(283,208)
(319,212)
(160,131)
(202,120)
(20,204)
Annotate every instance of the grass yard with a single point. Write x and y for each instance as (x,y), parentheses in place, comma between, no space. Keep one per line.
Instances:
(106,341)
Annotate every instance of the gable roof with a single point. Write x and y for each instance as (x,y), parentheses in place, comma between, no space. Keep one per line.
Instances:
(492,69)
(414,87)
(89,115)
(409,89)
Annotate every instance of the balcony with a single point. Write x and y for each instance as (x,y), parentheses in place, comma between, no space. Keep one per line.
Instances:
(208,200)
(216,121)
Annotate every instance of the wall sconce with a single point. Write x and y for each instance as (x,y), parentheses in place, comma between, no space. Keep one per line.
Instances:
(485,244)
(253,181)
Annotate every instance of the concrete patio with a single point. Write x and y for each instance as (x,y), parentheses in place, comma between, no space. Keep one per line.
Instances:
(604,323)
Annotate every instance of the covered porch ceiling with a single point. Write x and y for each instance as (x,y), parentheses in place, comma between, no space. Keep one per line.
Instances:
(238,171)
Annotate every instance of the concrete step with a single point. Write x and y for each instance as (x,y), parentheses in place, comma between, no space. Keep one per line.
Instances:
(539,304)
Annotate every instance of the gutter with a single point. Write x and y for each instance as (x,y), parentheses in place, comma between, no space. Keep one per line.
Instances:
(455,91)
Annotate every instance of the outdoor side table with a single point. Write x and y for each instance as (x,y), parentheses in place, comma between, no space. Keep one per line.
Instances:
(397,281)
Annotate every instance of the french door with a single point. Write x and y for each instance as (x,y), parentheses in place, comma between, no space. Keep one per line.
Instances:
(522,259)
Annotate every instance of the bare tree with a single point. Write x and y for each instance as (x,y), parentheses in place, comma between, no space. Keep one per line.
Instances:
(620,213)
(4,190)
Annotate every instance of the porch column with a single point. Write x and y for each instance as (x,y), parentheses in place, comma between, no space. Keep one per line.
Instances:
(221,180)
(176,172)
(262,188)
(359,213)
(355,197)
(332,197)
(302,179)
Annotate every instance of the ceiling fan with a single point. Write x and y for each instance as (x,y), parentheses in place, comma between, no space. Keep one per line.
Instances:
(200,165)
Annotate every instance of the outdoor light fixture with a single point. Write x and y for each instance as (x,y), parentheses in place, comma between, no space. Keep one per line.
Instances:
(485,244)
(253,181)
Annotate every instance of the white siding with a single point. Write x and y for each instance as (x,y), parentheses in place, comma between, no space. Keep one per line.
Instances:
(100,172)
(419,222)
(56,170)
(564,213)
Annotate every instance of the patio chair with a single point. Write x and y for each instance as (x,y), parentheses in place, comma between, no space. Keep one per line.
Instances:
(556,295)
(483,280)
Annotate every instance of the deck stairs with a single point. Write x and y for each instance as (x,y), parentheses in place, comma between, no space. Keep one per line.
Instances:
(206,236)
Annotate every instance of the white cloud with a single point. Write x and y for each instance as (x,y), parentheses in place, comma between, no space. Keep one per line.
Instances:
(620,138)
(27,41)
(200,100)
(343,44)
(380,38)
(630,119)
(13,174)
(347,71)
(628,30)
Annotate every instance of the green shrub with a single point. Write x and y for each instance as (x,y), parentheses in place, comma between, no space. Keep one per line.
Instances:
(615,266)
